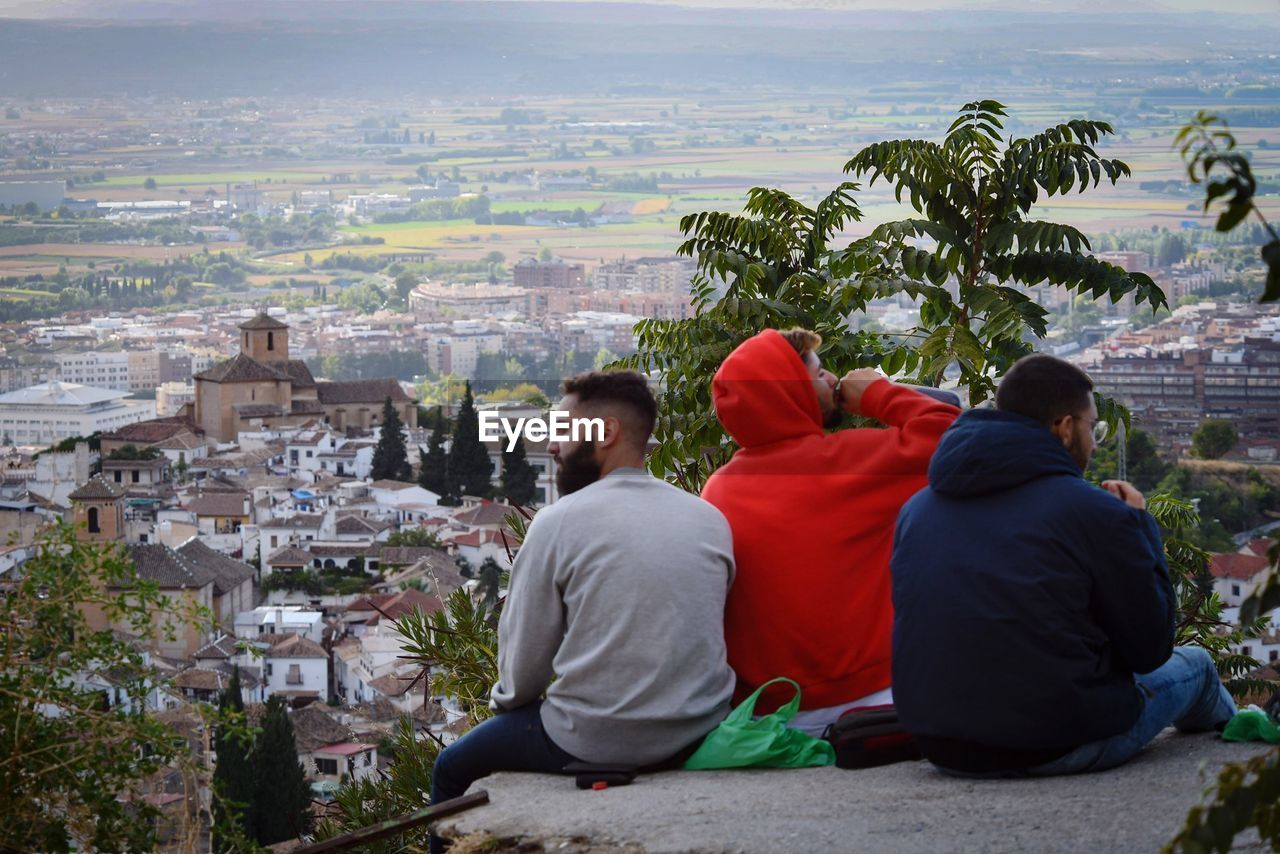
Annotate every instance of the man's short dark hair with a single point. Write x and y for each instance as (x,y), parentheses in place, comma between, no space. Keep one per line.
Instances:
(1045,388)
(626,391)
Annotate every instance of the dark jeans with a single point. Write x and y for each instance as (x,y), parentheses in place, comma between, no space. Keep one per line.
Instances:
(511,741)
(1185,691)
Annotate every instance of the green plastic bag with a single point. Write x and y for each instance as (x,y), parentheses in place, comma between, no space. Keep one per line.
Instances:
(1252,725)
(766,742)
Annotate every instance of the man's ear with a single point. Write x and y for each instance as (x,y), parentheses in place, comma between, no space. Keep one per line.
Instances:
(1062,428)
(612,432)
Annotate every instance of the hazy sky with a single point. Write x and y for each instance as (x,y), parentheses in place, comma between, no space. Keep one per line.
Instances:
(105,8)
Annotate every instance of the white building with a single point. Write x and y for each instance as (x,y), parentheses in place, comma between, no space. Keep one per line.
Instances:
(280,619)
(97,369)
(50,412)
(297,667)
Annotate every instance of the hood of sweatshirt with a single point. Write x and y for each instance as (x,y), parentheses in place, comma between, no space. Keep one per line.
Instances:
(763,393)
(987,451)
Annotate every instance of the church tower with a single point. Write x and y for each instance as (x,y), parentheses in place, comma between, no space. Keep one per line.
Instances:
(98,511)
(265,339)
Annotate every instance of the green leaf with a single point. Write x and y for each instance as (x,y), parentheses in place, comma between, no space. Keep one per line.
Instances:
(1271,255)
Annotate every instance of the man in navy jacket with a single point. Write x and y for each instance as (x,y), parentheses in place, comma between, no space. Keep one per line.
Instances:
(1034,619)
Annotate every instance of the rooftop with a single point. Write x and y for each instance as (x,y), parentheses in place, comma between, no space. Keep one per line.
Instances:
(60,394)
(374,391)
(264,321)
(345,748)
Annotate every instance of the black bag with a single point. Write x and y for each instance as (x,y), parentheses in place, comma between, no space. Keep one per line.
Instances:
(870,736)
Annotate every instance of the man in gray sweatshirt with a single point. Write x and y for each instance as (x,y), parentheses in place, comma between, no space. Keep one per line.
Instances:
(615,612)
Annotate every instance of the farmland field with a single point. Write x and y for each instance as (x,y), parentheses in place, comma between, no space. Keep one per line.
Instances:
(701,153)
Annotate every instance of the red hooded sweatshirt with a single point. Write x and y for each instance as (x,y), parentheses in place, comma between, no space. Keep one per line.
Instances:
(813,515)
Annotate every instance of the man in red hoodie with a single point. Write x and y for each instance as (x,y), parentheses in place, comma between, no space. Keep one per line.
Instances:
(812,515)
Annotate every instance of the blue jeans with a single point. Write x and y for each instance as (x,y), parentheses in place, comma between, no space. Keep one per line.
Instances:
(1185,691)
(511,741)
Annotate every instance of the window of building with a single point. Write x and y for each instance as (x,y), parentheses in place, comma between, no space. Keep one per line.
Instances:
(326,766)
(295,675)
(273,631)
(1235,590)
(1273,655)
(134,475)
(274,541)
(94,527)
(271,340)
(1246,650)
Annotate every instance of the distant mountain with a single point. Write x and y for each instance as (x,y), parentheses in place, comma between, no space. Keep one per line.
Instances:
(309,10)
(450,48)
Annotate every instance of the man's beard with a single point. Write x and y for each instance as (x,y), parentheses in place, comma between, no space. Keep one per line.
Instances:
(1076,450)
(577,469)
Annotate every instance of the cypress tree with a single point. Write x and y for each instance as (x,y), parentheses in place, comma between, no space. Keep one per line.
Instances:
(519,480)
(282,794)
(433,472)
(470,468)
(489,582)
(233,775)
(390,458)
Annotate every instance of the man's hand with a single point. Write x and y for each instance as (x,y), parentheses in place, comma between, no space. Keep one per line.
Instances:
(852,385)
(1126,492)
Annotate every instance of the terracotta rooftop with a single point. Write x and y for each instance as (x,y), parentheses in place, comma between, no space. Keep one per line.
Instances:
(219,504)
(263,321)
(477,538)
(150,432)
(97,488)
(298,647)
(360,391)
(289,556)
(300,375)
(200,679)
(360,525)
(223,648)
(239,369)
(392,685)
(345,748)
(161,564)
(314,727)
(228,573)
(1239,567)
(396,605)
(484,514)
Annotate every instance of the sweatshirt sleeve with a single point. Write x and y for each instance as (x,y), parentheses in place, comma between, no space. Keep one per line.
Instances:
(1133,599)
(532,624)
(916,422)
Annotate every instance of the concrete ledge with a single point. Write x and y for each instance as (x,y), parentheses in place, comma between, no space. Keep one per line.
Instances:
(908,807)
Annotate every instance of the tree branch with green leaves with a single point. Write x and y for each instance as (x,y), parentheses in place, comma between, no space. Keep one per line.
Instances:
(1208,148)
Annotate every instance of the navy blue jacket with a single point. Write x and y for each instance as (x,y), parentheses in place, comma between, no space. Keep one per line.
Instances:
(1025,598)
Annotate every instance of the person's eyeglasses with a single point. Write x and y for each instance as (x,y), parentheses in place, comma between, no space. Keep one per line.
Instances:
(1101,431)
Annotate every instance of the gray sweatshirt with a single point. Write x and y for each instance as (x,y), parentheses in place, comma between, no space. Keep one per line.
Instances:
(618,591)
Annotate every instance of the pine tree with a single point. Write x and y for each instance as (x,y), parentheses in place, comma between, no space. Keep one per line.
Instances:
(282,795)
(519,480)
(233,775)
(390,458)
(434,464)
(470,468)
